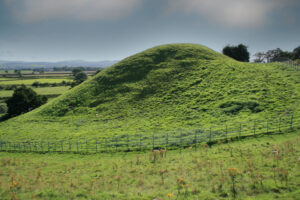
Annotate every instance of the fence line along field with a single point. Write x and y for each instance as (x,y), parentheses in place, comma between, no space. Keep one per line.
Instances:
(262,167)
(167,140)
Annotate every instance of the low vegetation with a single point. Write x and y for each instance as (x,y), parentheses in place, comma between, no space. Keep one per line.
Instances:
(262,167)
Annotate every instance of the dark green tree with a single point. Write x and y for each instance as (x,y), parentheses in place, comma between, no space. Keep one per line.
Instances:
(239,52)
(24,100)
(76,71)
(296,53)
(79,78)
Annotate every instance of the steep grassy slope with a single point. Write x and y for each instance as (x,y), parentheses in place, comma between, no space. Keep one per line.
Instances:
(169,87)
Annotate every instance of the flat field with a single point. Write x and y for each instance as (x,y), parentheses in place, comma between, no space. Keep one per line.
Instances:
(41,91)
(31,81)
(261,167)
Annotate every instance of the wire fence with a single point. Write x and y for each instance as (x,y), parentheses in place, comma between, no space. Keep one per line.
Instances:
(294,65)
(168,140)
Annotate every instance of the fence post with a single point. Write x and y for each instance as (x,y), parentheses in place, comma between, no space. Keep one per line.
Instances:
(292,117)
(226,132)
(70,146)
(42,147)
(96,146)
(210,134)
(140,142)
(86,146)
(167,140)
(195,139)
(254,127)
(279,126)
(127,142)
(77,146)
(62,146)
(152,140)
(240,133)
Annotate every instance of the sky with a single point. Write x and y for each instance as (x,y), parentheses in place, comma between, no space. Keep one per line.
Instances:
(95,30)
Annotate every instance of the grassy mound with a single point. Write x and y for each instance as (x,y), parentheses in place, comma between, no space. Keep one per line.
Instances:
(169,87)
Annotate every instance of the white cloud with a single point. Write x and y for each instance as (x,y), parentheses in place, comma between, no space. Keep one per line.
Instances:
(232,13)
(40,10)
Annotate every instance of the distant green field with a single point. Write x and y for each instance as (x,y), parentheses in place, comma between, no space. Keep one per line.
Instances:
(31,81)
(42,91)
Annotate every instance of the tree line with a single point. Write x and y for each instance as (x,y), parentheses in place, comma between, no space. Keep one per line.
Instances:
(241,53)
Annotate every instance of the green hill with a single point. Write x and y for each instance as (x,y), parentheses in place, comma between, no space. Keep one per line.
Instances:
(169,87)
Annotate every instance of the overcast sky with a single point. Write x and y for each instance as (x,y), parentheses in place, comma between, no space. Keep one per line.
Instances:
(94,30)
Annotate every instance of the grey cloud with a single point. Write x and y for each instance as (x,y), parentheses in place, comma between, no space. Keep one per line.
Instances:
(40,10)
(232,13)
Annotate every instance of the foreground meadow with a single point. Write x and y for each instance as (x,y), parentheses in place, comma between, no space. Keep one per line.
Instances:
(261,167)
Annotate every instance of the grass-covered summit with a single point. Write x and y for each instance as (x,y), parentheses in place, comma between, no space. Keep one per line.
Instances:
(169,87)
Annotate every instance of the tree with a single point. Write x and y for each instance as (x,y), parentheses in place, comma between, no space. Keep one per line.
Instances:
(79,78)
(76,71)
(23,100)
(296,53)
(260,57)
(239,52)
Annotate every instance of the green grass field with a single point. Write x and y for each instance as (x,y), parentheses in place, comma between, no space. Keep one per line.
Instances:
(262,167)
(177,89)
(31,81)
(41,91)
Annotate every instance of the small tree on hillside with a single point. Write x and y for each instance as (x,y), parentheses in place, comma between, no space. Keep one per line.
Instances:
(23,100)
(239,52)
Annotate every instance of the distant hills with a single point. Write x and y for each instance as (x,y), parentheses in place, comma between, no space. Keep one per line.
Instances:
(72,63)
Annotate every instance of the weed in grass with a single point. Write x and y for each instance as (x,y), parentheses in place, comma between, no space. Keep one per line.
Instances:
(233,173)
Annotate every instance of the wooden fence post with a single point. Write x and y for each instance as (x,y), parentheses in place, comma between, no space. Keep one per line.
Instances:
(167,140)
(152,140)
(127,142)
(140,142)
(240,132)
(96,146)
(62,146)
(70,146)
(195,138)
(226,132)
(291,124)
(77,146)
(210,134)
(86,146)
(279,126)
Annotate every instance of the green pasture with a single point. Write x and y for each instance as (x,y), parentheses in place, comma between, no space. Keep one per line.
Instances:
(262,167)
(41,91)
(31,81)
